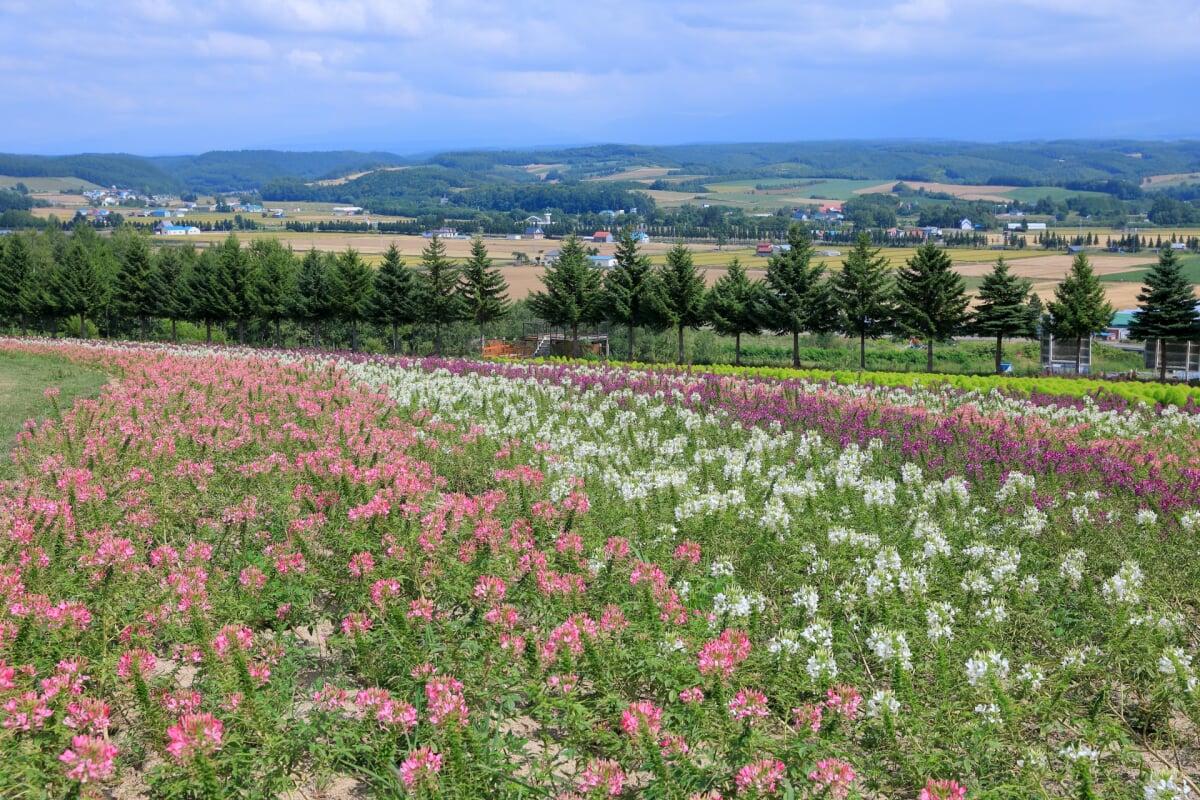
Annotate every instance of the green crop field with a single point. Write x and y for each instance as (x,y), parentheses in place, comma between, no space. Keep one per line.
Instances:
(45,185)
(1031,194)
(1191,271)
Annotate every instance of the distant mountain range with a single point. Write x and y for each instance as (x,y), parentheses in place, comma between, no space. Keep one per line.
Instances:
(1050,163)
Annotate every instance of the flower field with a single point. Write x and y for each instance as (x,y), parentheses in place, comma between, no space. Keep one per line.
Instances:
(248,575)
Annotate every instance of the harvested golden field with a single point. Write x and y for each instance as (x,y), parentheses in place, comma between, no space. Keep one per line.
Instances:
(1173,177)
(645,174)
(354,176)
(962,192)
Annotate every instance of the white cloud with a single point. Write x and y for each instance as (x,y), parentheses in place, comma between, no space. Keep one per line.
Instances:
(234,47)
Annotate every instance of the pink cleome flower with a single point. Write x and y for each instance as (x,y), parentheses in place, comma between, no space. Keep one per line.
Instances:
(835,776)
(420,768)
(642,716)
(761,777)
(722,655)
(193,735)
(444,696)
(943,790)
(749,704)
(89,758)
(603,775)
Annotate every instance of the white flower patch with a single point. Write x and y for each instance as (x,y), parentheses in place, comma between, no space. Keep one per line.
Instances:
(889,645)
(982,664)
(736,602)
(1166,787)
(784,643)
(821,666)
(1071,568)
(1123,587)
(939,618)
(720,568)
(882,702)
(1080,751)
(1016,484)
(1031,676)
(989,713)
(806,598)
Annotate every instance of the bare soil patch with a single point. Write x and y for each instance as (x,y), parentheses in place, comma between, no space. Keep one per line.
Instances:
(646,174)
(354,176)
(1173,177)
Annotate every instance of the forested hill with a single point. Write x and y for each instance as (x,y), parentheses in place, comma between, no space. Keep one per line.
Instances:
(1060,163)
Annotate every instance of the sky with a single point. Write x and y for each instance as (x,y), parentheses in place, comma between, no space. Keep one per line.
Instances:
(160,77)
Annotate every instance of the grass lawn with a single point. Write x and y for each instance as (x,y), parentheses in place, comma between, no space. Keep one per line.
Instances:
(24,378)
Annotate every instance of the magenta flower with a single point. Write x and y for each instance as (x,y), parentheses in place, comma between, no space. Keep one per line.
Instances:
(193,735)
(445,699)
(749,704)
(603,776)
(722,655)
(420,768)
(834,777)
(641,717)
(943,790)
(760,778)
(89,758)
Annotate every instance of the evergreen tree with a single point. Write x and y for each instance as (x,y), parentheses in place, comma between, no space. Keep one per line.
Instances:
(483,289)
(393,300)
(1166,308)
(134,293)
(272,282)
(438,300)
(234,274)
(16,265)
(627,290)
(861,292)
(208,293)
(792,286)
(172,267)
(352,283)
(931,299)
(79,288)
(1004,308)
(1079,308)
(313,302)
(732,305)
(679,294)
(573,291)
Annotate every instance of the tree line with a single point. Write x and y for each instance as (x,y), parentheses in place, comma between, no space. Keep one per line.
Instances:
(124,288)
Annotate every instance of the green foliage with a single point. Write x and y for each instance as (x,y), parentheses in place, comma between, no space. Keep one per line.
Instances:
(272,282)
(1079,308)
(573,291)
(394,301)
(1166,306)
(1006,308)
(678,294)
(793,287)
(482,288)
(438,300)
(931,300)
(861,292)
(351,285)
(732,305)
(628,289)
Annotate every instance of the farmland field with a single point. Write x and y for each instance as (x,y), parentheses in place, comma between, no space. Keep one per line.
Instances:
(239,575)
(46,185)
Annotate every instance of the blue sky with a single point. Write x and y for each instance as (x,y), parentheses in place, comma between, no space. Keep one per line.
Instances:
(158,77)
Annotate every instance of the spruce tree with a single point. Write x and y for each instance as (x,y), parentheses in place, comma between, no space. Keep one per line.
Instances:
(483,290)
(573,291)
(861,292)
(732,305)
(393,301)
(1166,308)
(931,299)
(79,288)
(1004,308)
(1079,308)
(15,267)
(172,267)
(313,302)
(208,293)
(679,294)
(627,290)
(272,282)
(134,293)
(352,284)
(793,285)
(438,301)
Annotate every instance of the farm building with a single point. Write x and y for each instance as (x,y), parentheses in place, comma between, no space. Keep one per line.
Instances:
(535,232)
(163,229)
(965,224)
(602,262)
(602,236)
(1037,226)
(764,249)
